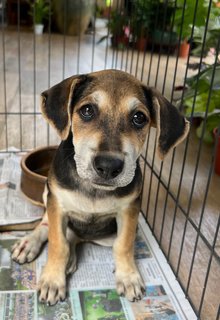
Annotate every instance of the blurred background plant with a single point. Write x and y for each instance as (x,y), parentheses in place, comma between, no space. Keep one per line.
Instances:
(202,83)
(118,29)
(141,18)
(212,33)
(184,15)
(40,11)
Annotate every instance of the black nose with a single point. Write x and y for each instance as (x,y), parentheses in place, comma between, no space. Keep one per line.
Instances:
(108,167)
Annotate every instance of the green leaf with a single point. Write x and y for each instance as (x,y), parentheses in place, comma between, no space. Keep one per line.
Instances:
(201,104)
(205,78)
(207,137)
(201,16)
(213,121)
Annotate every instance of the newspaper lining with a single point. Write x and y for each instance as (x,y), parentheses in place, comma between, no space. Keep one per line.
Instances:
(14,207)
(91,289)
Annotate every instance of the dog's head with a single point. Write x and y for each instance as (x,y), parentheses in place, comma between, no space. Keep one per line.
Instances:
(109,113)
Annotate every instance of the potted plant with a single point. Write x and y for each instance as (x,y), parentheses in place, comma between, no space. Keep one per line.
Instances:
(212,34)
(163,35)
(118,29)
(202,81)
(200,85)
(40,11)
(205,83)
(183,20)
(141,21)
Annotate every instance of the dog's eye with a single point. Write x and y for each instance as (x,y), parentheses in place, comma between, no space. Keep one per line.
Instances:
(87,112)
(139,119)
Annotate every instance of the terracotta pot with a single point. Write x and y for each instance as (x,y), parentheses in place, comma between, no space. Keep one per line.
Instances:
(106,12)
(217,154)
(141,44)
(35,167)
(119,42)
(184,50)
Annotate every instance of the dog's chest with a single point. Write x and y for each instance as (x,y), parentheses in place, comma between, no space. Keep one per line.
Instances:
(90,218)
(87,209)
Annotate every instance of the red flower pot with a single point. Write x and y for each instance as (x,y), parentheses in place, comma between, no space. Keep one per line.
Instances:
(184,50)
(217,154)
(141,44)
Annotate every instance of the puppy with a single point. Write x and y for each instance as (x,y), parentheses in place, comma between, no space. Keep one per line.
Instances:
(94,184)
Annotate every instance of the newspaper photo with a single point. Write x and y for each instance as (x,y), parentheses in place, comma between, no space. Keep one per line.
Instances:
(91,293)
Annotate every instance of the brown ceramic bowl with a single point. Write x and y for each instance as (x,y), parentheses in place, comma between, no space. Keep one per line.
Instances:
(35,167)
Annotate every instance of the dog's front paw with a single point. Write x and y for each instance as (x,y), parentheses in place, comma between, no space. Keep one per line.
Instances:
(26,249)
(130,285)
(52,286)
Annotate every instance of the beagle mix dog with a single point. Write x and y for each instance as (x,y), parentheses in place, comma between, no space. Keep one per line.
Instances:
(94,184)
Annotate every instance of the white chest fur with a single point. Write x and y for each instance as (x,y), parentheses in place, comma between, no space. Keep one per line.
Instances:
(81,207)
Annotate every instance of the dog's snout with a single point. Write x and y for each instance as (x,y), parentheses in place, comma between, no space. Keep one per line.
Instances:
(108,167)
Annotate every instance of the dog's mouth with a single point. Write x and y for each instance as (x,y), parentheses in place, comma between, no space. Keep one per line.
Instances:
(104,185)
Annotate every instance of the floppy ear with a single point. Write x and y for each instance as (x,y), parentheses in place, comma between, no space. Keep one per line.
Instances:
(172,127)
(57,102)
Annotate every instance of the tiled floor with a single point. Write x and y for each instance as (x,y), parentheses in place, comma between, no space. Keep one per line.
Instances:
(29,65)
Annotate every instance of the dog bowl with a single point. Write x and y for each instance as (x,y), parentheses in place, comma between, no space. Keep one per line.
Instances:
(35,167)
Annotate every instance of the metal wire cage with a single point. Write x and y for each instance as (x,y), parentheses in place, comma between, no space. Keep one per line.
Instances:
(181,195)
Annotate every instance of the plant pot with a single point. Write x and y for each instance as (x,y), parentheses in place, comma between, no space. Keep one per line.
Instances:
(35,167)
(106,12)
(119,42)
(217,154)
(38,28)
(141,44)
(72,17)
(184,50)
(166,38)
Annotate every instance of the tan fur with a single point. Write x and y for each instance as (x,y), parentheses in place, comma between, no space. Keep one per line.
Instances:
(124,245)
(126,273)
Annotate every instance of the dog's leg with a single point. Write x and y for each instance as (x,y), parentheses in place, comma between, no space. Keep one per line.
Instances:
(52,284)
(128,280)
(73,241)
(27,248)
